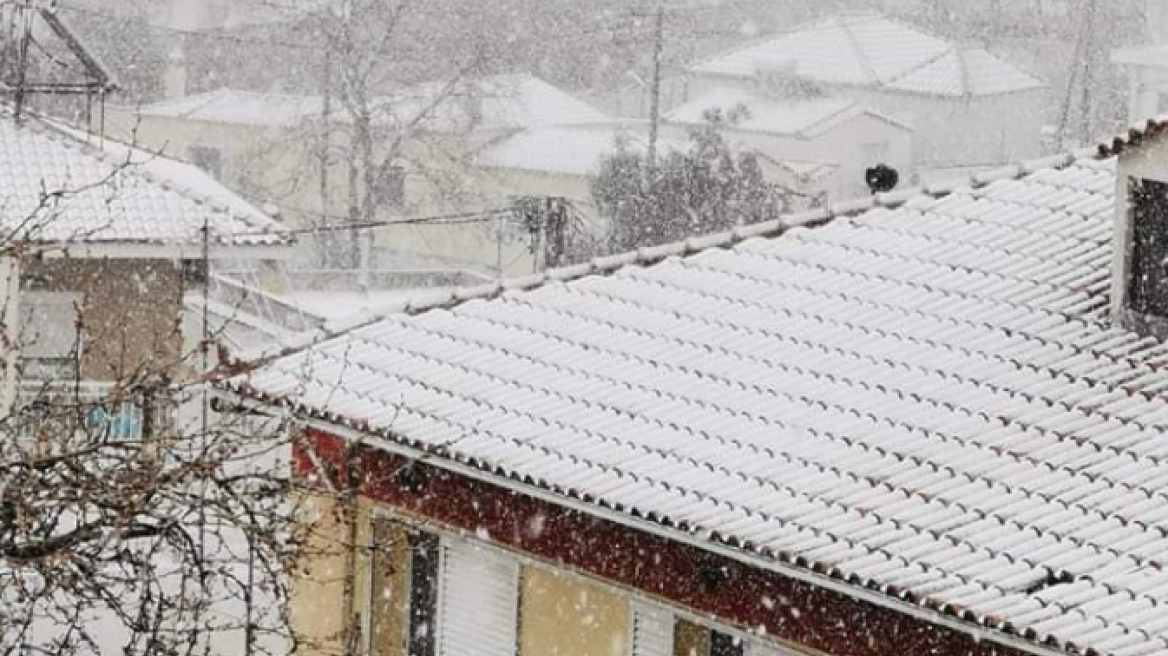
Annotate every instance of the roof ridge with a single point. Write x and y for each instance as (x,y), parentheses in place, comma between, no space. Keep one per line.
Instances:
(859,52)
(651,255)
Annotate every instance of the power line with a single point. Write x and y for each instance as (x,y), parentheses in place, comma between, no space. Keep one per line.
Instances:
(435,219)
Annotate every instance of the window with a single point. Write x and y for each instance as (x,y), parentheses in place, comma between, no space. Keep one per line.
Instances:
(389,189)
(423,594)
(690,639)
(49,336)
(208,158)
(478,603)
(117,421)
(1147,286)
(429,596)
(402,591)
(657,632)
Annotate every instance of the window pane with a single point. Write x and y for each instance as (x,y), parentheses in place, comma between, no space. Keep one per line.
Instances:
(690,639)
(1148,286)
(423,593)
(722,644)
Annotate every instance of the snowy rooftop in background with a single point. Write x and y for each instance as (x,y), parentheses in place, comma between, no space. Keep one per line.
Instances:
(498,102)
(867,50)
(572,150)
(922,397)
(104,192)
(805,118)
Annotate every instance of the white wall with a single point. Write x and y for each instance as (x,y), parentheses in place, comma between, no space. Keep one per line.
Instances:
(948,132)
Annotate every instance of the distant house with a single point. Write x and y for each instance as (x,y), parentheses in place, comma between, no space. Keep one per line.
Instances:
(103,243)
(563,160)
(268,145)
(967,107)
(816,149)
(928,423)
(823,144)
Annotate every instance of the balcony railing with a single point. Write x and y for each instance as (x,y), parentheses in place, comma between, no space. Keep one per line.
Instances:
(56,410)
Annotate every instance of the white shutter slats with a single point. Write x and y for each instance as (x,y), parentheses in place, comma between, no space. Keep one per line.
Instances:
(652,631)
(478,603)
(761,648)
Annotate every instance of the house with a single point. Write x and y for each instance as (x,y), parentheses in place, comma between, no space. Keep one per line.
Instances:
(901,72)
(933,421)
(102,244)
(814,148)
(825,145)
(564,161)
(230,132)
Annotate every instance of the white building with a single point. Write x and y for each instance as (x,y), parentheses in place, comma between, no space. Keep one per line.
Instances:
(968,107)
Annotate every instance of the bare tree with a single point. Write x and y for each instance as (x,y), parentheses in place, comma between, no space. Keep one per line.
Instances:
(125,526)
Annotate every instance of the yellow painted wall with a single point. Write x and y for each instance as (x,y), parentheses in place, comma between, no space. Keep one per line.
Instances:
(316,587)
(563,616)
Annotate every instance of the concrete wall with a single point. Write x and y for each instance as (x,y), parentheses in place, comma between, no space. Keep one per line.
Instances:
(130,312)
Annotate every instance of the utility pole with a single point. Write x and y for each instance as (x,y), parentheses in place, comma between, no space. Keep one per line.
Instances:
(655,97)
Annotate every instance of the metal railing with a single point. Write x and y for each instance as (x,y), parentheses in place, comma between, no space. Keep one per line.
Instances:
(49,410)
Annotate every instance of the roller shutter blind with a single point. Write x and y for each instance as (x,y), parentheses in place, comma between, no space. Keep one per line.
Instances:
(652,633)
(478,603)
(759,648)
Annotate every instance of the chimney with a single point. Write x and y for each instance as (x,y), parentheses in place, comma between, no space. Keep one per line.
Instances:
(1139,279)
(175,78)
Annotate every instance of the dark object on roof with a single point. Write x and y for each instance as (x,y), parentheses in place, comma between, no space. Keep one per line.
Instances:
(881,178)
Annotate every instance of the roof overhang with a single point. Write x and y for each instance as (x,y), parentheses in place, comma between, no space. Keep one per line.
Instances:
(130,251)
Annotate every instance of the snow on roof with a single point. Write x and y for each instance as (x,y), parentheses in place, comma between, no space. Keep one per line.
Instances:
(497,102)
(796,117)
(867,50)
(572,150)
(78,193)
(238,107)
(922,396)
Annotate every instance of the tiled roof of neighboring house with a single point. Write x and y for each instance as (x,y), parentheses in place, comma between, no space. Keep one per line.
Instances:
(572,150)
(805,118)
(864,50)
(498,102)
(921,396)
(79,193)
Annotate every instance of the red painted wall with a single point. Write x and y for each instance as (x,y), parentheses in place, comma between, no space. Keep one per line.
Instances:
(747,596)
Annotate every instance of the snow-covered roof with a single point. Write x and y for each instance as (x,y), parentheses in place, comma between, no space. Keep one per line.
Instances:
(60,187)
(497,102)
(234,106)
(868,50)
(806,117)
(571,150)
(918,394)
